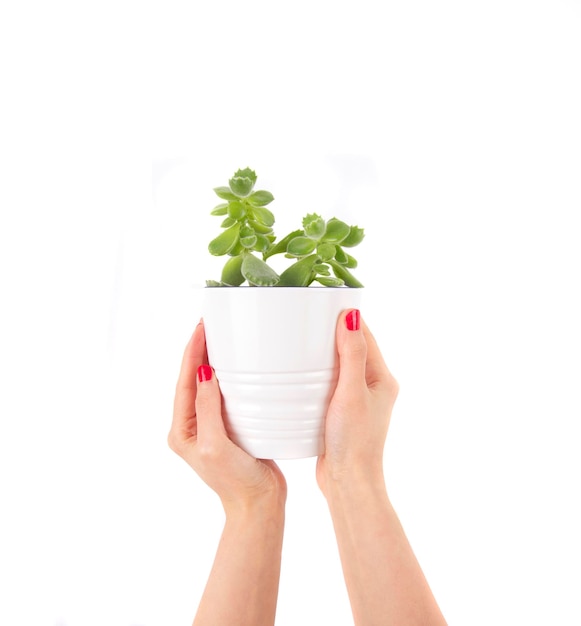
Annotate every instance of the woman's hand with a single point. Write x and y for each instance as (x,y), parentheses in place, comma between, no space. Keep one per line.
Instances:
(383,577)
(242,588)
(199,436)
(360,409)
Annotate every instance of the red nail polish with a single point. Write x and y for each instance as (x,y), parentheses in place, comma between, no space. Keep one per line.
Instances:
(204,373)
(353,320)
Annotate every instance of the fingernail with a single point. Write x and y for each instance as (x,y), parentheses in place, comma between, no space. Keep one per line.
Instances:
(353,319)
(204,373)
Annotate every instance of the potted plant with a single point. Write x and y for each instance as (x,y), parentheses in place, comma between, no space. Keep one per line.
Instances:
(271,336)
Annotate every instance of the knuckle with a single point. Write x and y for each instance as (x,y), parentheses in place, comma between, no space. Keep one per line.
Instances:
(392,386)
(173,442)
(356,351)
(208,452)
(204,402)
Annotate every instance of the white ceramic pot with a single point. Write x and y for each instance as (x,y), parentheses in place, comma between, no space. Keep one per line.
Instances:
(274,354)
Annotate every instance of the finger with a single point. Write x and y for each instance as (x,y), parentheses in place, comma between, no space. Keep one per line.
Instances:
(194,355)
(376,371)
(186,388)
(352,350)
(209,407)
(376,368)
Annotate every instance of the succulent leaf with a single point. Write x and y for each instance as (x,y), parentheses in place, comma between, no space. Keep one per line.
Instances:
(262,243)
(322,268)
(344,274)
(340,255)
(247,237)
(299,274)
(220,209)
(257,272)
(231,272)
(314,226)
(282,245)
(227,222)
(237,249)
(263,215)
(336,231)
(260,198)
(248,242)
(225,193)
(354,238)
(301,246)
(260,228)
(246,173)
(236,210)
(242,182)
(351,261)
(330,281)
(326,251)
(224,242)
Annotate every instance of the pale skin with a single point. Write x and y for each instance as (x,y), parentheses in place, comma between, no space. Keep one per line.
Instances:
(384,580)
(242,588)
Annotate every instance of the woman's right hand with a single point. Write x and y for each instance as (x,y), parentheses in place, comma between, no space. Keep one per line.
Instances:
(384,580)
(359,412)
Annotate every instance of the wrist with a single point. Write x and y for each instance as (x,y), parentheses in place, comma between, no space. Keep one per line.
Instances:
(356,488)
(355,492)
(351,478)
(268,506)
(356,504)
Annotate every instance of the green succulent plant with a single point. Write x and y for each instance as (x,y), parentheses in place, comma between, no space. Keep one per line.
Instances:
(316,250)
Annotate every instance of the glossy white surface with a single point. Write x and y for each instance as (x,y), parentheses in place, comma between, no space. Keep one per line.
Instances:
(273,351)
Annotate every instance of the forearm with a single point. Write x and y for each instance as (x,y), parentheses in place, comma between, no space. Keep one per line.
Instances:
(384,580)
(243,585)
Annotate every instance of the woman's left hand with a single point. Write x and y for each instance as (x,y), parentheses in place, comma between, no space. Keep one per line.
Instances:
(199,436)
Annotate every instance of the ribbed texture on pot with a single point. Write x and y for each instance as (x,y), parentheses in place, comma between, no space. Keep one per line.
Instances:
(277,415)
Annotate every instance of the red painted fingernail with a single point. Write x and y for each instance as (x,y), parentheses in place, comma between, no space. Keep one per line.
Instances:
(204,373)
(353,320)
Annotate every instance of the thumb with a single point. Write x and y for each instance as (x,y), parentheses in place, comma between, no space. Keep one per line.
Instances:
(352,349)
(208,405)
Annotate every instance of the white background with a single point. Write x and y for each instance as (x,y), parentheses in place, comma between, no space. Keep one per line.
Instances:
(450,131)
